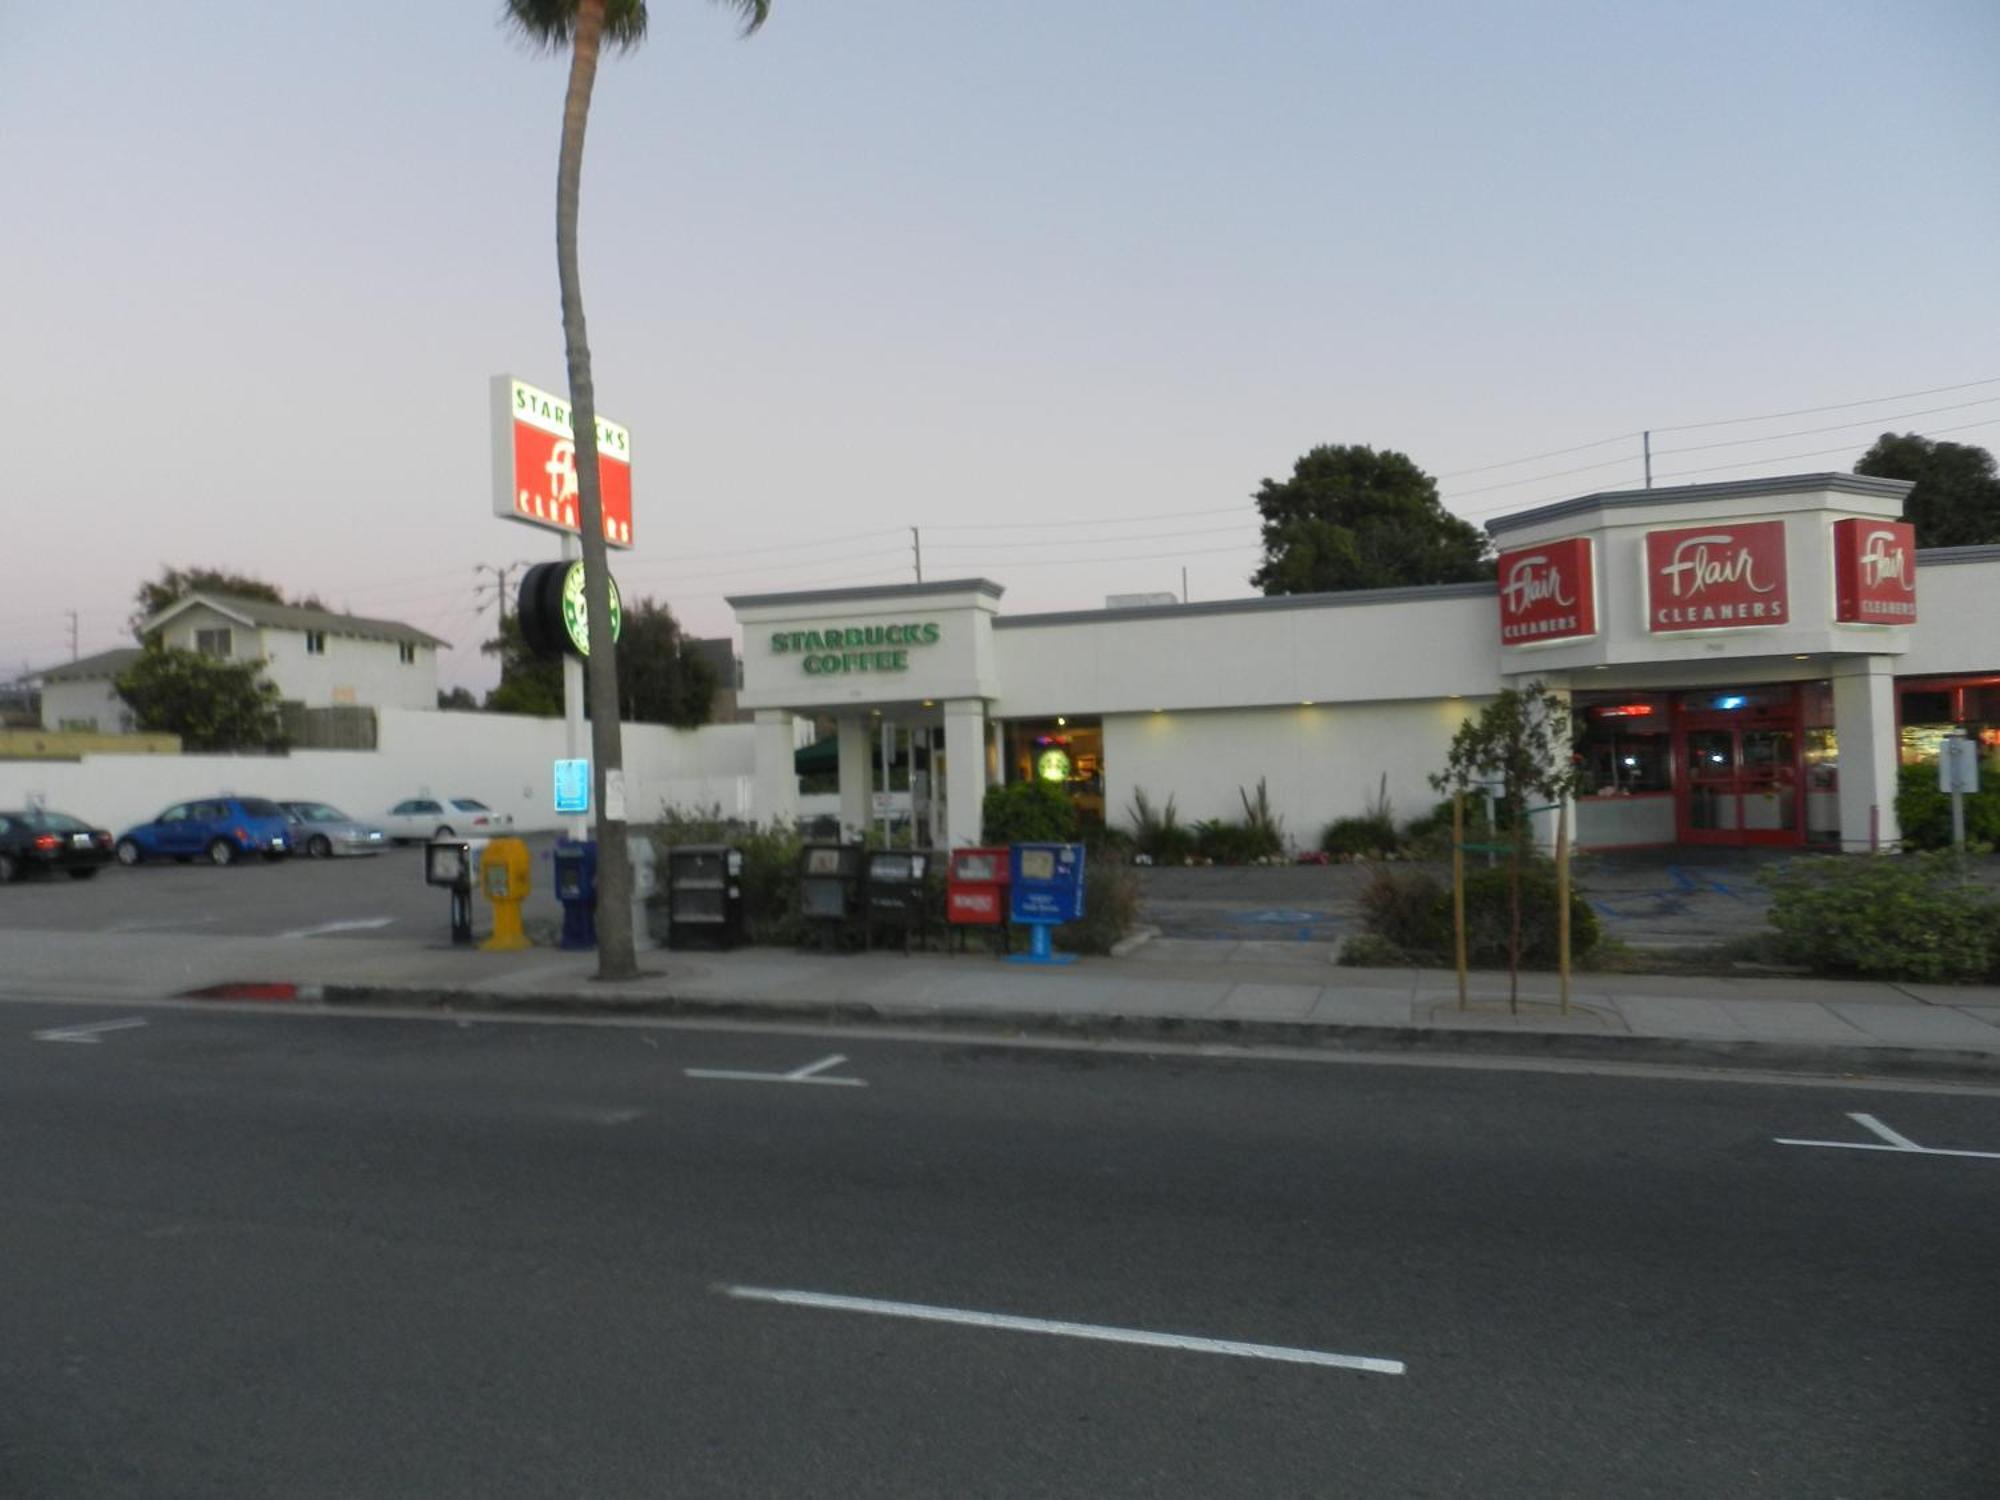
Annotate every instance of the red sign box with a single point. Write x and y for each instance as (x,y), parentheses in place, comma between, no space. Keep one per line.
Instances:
(1875,572)
(1548,593)
(1728,576)
(534,463)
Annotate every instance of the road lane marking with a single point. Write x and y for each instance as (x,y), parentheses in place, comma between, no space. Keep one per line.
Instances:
(1009,1323)
(89,1034)
(355,924)
(1891,1140)
(814,1072)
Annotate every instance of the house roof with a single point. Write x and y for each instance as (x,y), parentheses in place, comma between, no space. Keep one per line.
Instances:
(263,613)
(88,668)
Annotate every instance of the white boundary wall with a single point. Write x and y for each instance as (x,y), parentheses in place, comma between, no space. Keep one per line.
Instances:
(504,760)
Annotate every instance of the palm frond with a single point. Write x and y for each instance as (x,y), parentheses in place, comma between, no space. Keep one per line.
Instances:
(550,25)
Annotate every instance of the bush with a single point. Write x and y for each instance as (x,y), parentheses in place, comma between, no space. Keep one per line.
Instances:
(1110,908)
(1027,812)
(1410,911)
(1157,832)
(1925,812)
(1360,837)
(770,867)
(1885,917)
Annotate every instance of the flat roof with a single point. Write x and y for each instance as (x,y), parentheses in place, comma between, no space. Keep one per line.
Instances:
(872,591)
(1252,604)
(1732,489)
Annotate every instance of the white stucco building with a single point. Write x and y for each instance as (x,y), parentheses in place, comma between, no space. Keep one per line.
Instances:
(1749,661)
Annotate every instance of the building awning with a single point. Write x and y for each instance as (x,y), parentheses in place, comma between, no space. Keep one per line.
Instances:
(820,758)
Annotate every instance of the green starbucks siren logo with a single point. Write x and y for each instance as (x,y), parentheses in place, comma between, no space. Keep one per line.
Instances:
(576,609)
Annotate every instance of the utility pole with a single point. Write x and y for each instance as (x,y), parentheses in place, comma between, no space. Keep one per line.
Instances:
(72,635)
(1647,438)
(917,550)
(503,585)
(1184,598)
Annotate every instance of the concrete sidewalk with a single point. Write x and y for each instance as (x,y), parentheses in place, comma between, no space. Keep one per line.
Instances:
(1283,994)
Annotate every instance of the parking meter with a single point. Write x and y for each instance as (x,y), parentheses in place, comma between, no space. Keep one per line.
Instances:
(1046,890)
(503,877)
(576,889)
(448,863)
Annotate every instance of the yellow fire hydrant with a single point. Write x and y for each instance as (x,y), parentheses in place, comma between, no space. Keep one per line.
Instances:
(503,876)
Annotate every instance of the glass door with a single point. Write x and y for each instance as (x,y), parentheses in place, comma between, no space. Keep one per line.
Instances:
(1710,812)
(1768,784)
(1739,772)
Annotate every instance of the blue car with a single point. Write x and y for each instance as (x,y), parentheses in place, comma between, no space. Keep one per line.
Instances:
(220,830)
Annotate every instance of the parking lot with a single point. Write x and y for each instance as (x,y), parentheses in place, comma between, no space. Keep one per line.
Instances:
(380,895)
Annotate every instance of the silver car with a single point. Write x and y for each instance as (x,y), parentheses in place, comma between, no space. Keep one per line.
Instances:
(322,830)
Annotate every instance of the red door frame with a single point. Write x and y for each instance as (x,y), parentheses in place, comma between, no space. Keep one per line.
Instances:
(1787,715)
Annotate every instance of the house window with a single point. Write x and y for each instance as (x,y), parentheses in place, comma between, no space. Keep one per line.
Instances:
(315,643)
(215,643)
(407,653)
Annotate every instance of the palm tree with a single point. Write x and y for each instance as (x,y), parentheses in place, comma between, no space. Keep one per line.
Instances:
(583,26)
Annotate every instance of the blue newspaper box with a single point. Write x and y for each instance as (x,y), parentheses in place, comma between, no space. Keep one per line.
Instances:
(1046,891)
(576,888)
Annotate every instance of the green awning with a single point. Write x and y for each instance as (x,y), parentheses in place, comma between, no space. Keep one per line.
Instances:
(821,758)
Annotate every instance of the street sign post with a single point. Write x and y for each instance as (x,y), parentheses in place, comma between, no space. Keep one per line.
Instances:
(1958,774)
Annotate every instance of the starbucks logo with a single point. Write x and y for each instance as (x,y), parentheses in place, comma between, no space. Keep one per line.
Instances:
(576,609)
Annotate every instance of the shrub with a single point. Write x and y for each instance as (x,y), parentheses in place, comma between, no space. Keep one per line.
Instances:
(1027,812)
(1110,908)
(770,866)
(1157,833)
(1410,911)
(1884,917)
(1364,950)
(1358,837)
(1925,812)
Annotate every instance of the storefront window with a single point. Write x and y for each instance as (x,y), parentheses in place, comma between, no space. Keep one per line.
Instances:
(1626,747)
(1930,710)
(1068,753)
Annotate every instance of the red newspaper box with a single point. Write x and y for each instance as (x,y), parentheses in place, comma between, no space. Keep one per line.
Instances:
(976,888)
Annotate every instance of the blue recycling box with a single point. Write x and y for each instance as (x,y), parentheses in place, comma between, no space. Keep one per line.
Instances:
(1045,892)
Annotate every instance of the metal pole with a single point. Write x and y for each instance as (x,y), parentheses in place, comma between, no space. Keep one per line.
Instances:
(1562,900)
(1458,889)
(917,548)
(1648,437)
(1184,597)
(888,750)
(572,669)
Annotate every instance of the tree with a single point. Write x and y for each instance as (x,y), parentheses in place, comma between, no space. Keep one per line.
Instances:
(155,594)
(1957,499)
(529,684)
(583,26)
(458,700)
(661,678)
(1352,518)
(1525,739)
(210,704)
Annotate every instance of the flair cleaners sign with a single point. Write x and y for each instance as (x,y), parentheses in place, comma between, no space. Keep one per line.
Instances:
(534,463)
(1729,576)
(1874,572)
(1548,593)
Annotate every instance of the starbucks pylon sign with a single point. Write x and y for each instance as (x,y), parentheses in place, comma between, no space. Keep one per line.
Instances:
(554,613)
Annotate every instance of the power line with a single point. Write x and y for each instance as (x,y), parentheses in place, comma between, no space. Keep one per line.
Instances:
(1807,411)
(1817,453)
(1171,515)
(1773,437)
(975,548)
(1623,437)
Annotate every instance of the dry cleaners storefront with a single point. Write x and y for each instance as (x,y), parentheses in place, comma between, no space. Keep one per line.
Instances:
(1751,662)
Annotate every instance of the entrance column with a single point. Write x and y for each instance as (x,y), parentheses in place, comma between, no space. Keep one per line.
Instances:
(1864,726)
(777,771)
(856,773)
(965,769)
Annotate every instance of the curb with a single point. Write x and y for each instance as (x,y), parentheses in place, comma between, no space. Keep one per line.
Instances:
(1957,1064)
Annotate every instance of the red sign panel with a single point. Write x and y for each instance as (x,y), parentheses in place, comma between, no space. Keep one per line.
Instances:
(1729,576)
(1875,572)
(534,463)
(1548,593)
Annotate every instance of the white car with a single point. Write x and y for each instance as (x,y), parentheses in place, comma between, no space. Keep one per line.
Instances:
(440,817)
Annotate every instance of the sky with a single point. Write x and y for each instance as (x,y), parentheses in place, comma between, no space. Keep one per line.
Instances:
(1056,284)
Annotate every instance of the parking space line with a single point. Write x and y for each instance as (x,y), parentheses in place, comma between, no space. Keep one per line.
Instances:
(814,1072)
(1891,1140)
(1009,1323)
(89,1034)
(354,924)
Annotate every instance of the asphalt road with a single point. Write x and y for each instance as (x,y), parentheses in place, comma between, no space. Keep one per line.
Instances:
(292,1254)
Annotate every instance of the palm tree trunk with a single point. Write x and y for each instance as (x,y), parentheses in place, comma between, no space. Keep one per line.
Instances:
(615,956)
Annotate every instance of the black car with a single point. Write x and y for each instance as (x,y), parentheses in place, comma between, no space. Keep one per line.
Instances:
(36,839)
